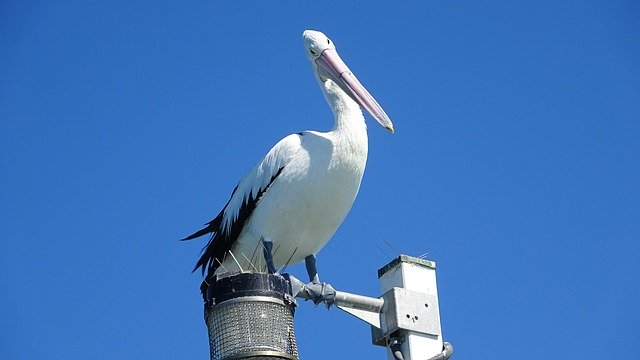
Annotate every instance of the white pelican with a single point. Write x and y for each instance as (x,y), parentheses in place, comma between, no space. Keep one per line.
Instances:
(295,198)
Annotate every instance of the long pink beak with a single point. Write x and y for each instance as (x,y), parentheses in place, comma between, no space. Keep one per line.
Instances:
(330,65)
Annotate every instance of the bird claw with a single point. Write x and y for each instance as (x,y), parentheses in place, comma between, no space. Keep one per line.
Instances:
(321,292)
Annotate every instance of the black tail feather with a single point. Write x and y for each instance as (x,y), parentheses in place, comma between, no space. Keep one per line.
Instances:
(211,227)
(208,252)
(207,230)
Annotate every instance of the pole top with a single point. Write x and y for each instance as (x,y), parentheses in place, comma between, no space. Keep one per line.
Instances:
(406,259)
(242,284)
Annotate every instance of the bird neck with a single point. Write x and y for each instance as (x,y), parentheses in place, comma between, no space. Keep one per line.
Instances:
(346,112)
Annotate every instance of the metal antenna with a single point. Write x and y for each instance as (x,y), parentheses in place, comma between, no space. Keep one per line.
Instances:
(236,260)
(276,250)
(254,253)
(249,261)
(284,268)
(392,247)
(383,252)
(258,258)
(222,266)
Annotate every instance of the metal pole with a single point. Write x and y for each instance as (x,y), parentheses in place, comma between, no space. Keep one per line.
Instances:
(419,333)
(250,315)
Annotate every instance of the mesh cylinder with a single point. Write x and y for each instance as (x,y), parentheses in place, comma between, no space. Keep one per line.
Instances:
(250,316)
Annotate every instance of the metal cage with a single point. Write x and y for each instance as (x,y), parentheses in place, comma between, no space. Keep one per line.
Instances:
(250,316)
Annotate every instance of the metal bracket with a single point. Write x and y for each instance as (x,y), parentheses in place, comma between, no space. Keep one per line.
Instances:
(370,317)
(407,310)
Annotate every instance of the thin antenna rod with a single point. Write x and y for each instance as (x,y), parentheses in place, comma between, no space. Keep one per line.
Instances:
(249,261)
(254,253)
(219,263)
(273,254)
(236,260)
(384,252)
(264,248)
(284,268)
(391,246)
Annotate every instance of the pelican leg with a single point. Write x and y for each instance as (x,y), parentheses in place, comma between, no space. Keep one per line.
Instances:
(318,291)
(267,247)
(310,263)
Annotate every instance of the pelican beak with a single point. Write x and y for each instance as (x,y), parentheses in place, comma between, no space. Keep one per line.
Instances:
(331,66)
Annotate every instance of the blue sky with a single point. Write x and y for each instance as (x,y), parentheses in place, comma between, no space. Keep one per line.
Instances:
(124,126)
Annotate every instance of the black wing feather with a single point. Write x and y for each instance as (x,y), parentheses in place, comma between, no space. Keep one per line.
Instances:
(221,241)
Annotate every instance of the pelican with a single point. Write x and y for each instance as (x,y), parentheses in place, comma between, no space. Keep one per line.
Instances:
(293,201)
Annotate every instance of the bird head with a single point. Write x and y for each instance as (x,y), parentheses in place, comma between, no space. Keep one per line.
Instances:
(327,65)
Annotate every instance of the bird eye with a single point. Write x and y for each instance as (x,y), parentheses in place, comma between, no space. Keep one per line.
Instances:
(312,52)
(328,42)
